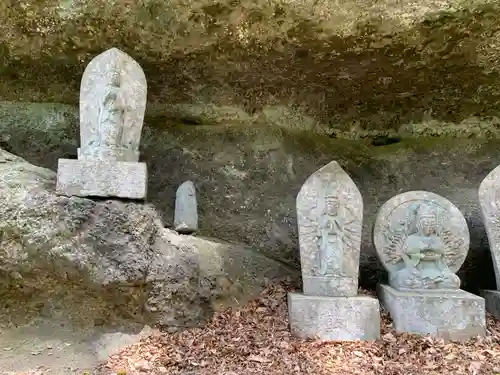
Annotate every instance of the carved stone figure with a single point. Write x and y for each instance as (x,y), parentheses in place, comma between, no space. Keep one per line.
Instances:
(111,115)
(329,214)
(489,200)
(330,240)
(423,255)
(112,105)
(422,241)
(334,234)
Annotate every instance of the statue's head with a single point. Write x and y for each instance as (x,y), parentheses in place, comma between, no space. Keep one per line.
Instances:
(114,78)
(332,206)
(111,95)
(426,220)
(111,102)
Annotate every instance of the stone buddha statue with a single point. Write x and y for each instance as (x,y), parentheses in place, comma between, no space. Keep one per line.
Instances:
(111,115)
(330,239)
(423,255)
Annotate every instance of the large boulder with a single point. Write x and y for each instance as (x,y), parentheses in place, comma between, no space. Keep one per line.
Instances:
(353,67)
(247,179)
(117,256)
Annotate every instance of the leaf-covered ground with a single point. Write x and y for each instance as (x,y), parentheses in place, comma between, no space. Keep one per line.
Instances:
(255,339)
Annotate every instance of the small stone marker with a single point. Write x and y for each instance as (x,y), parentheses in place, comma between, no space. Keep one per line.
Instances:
(112,105)
(330,215)
(489,200)
(422,239)
(186,209)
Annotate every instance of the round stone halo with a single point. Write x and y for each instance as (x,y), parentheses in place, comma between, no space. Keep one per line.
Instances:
(395,219)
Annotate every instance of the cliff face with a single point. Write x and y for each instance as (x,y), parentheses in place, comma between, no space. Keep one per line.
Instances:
(247,178)
(248,98)
(351,68)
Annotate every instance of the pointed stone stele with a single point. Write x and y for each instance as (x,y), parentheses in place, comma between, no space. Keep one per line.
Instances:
(186,209)
(112,105)
(489,200)
(330,216)
(422,240)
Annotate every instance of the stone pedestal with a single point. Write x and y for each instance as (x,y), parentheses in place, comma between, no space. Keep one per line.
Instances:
(101,178)
(334,318)
(446,313)
(492,300)
(330,286)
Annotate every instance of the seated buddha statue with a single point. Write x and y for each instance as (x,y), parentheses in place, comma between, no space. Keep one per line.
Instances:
(423,257)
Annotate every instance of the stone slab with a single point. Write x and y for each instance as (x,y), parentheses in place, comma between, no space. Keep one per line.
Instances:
(330,286)
(489,201)
(445,313)
(334,318)
(329,218)
(101,178)
(492,301)
(113,95)
(186,209)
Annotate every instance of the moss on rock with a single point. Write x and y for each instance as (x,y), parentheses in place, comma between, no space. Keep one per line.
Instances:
(247,178)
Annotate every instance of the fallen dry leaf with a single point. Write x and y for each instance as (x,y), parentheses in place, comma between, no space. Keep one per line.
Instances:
(255,339)
(256,358)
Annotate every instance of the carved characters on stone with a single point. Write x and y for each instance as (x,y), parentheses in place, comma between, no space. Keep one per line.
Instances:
(112,104)
(489,200)
(422,239)
(329,213)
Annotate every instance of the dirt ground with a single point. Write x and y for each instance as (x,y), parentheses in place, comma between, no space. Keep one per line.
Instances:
(255,339)
(32,344)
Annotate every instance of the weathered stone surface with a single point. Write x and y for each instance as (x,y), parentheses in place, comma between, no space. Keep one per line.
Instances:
(329,217)
(247,179)
(102,178)
(186,209)
(334,318)
(492,302)
(489,195)
(112,105)
(105,247)
(425,67)
(422,239)
(489,201)
(329,286)
(233,272)
(72,251)
(448,314)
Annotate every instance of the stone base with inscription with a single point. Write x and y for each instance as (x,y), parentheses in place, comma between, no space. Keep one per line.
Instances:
(492,301)
(101,178)
(334,318)
(446,313)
